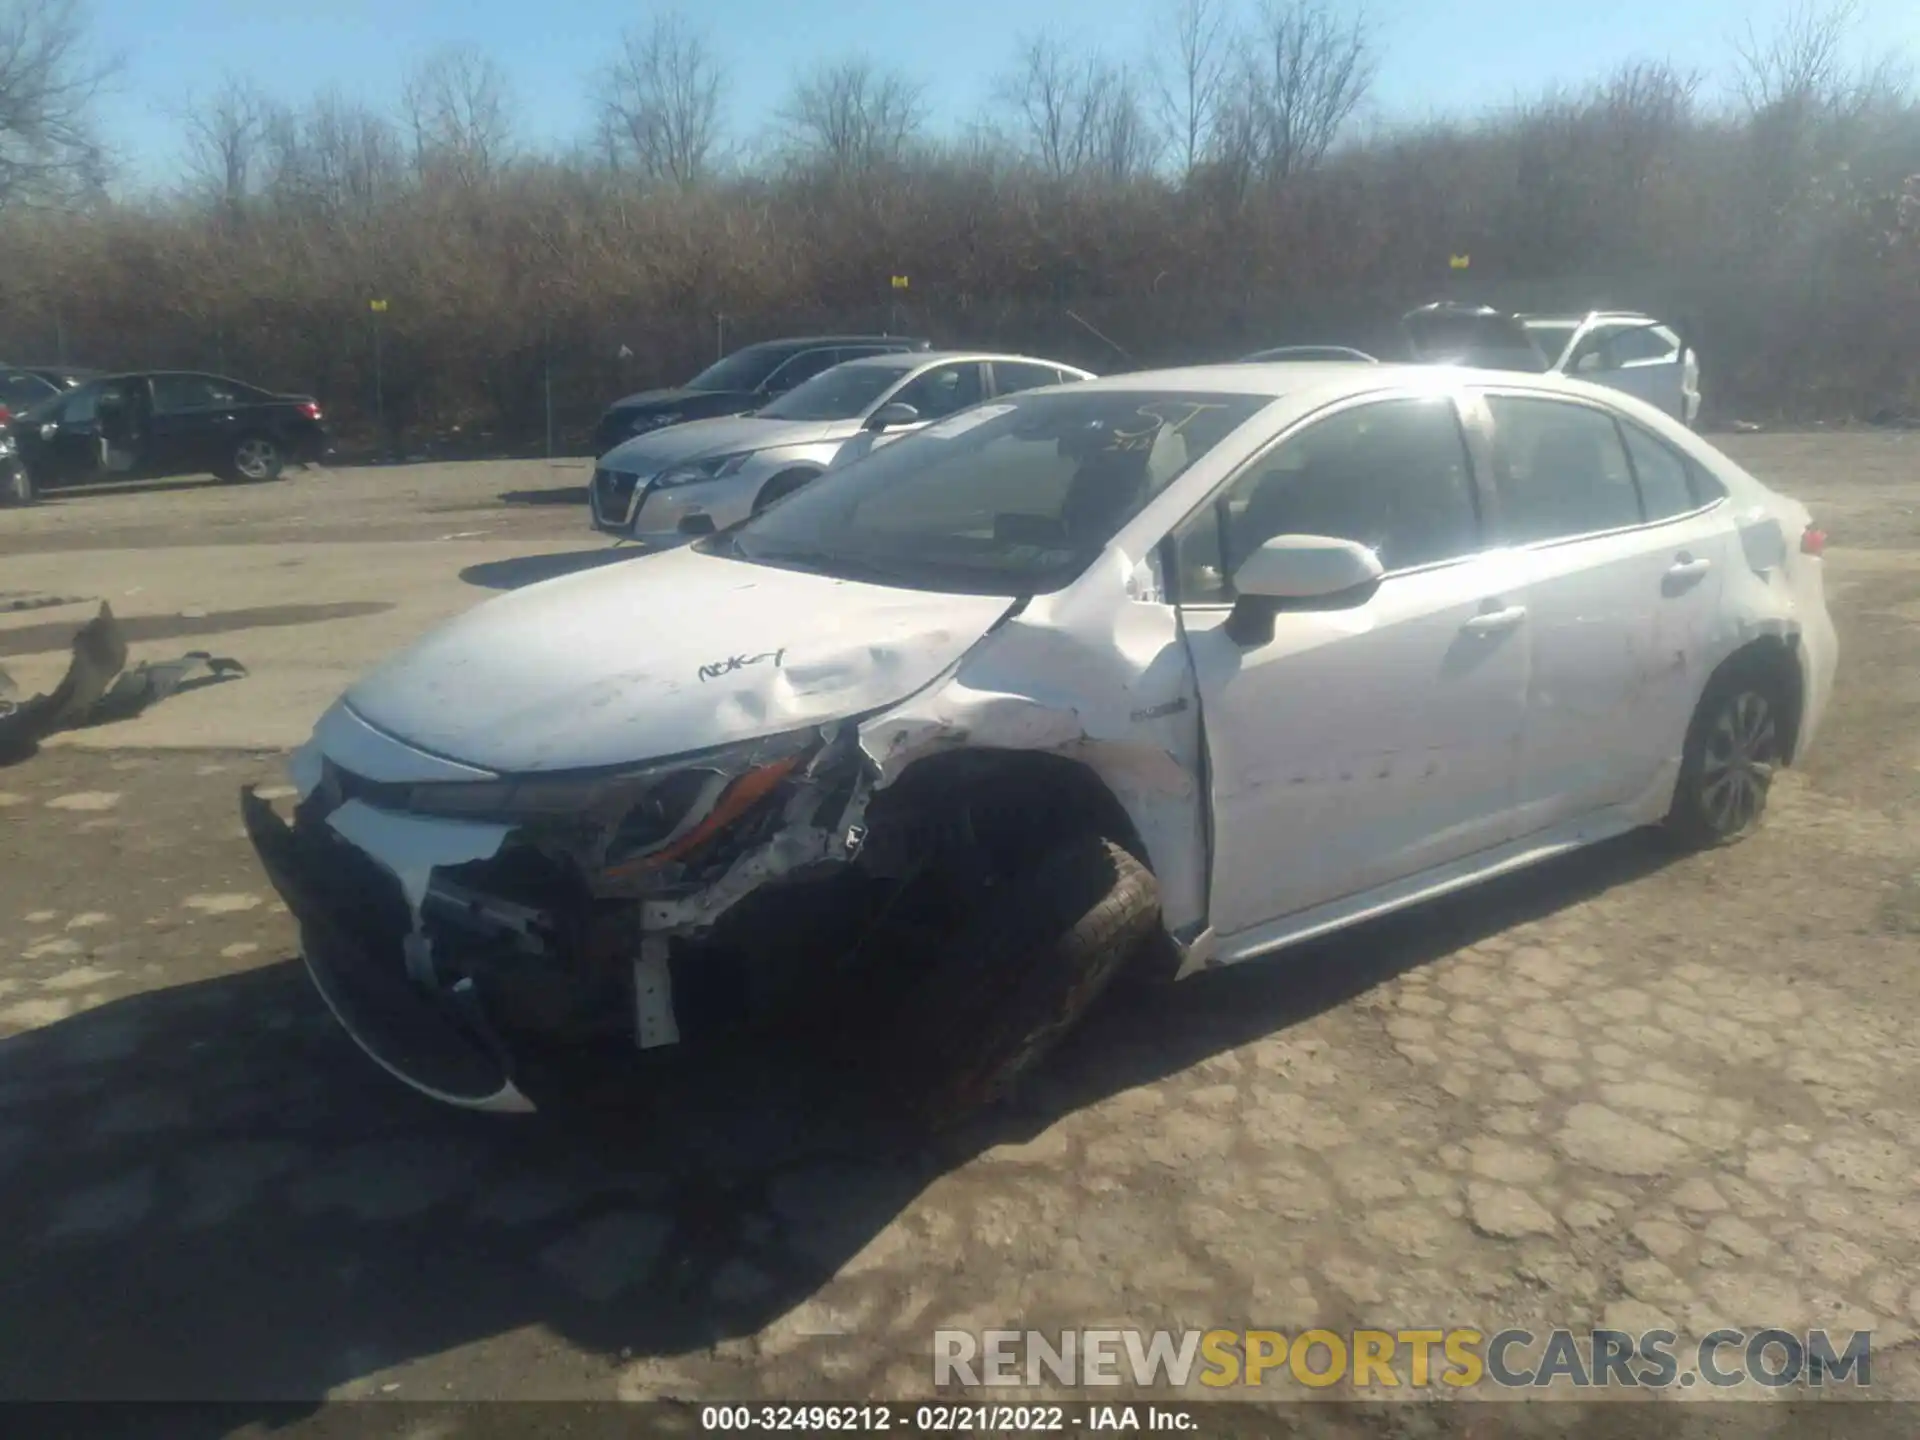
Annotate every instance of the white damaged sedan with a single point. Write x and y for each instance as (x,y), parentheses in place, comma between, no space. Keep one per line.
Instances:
(1167,671)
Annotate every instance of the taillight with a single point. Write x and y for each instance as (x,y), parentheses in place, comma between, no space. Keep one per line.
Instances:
(310,410)
(1813,541)
(6,416)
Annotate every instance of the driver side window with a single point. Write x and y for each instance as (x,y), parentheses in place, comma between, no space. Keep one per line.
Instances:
(1393,475)
(943,390)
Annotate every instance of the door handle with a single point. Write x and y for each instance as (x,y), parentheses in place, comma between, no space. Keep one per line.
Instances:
(1494,621)
(1688,568)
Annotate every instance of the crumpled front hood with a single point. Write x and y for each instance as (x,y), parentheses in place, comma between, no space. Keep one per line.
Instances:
(727,435)
(660,655)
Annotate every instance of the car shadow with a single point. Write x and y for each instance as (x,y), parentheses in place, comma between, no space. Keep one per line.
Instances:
(211,1195)
(522,570)
(558,495)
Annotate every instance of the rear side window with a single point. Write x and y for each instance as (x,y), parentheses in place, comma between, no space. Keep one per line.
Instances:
(1670,483)
(1561,470)
(1012,375)
(1392,475)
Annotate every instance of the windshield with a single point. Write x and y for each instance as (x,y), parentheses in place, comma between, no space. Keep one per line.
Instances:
(842,393)
(1012,498)
(1552,336)
(742,370)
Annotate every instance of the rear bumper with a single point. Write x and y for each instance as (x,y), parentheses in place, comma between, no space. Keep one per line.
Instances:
(437,1042)
(1819,659)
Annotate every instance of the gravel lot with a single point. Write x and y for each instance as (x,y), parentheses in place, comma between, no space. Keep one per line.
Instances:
(1623,1090)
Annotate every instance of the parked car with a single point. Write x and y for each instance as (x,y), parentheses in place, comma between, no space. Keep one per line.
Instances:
(1627,351)
(743,381)
(1165,670)
(167,422)
(705,475)
(1309,354)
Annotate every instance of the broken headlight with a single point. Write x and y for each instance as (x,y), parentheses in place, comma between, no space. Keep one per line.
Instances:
(639,818)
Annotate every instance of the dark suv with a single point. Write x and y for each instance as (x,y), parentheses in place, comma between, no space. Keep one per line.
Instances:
(744,380)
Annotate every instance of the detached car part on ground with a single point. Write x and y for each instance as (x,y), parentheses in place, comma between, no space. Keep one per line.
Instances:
(697,478)
(99,687)
(1160,672)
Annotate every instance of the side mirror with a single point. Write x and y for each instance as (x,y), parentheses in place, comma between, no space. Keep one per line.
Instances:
(1597,359)
(893,415)
(1299,572)
(49,430)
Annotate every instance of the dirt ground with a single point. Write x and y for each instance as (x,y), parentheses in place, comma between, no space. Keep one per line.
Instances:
(1624,1089)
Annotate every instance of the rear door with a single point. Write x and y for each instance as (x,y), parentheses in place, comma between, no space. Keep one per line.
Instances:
(1623,557)
(196,423)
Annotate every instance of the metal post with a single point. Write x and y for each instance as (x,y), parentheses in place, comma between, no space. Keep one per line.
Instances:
(379,388)
(547,366)
(719,336)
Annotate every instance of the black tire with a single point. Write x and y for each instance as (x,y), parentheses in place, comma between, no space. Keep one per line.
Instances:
(255,460)
(781,486)
(1033,956)
(1735,744)
(16,485)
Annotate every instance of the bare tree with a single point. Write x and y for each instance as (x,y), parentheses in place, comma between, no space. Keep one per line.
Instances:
(852,117)
(660,103)
(1078,116)
(1189,78)
(458,107)
(334,157)
(225,137)
(48,82)
(1305,73)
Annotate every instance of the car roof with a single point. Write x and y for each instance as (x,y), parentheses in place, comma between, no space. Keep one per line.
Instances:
(1569,317)
(913,360)
(1330,380)
(808,342)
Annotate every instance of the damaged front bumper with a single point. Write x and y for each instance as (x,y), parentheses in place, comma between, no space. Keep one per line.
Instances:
(465,954)
(440,1043)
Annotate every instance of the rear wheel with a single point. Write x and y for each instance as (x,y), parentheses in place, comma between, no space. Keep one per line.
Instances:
(256,458)
(1734,746)
(1036,951)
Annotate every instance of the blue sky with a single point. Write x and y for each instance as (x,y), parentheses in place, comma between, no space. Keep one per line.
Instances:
(1437,56)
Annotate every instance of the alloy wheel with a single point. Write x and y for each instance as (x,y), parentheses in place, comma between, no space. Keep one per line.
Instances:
(254,459)
(1738,762)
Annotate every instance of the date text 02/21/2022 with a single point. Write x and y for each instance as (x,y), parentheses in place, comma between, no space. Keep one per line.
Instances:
(943,1419)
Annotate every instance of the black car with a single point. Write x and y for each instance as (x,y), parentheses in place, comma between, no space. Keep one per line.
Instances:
(744,380)
(166,422)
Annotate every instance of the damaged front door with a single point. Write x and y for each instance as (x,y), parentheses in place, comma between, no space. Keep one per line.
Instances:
(1374,735)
